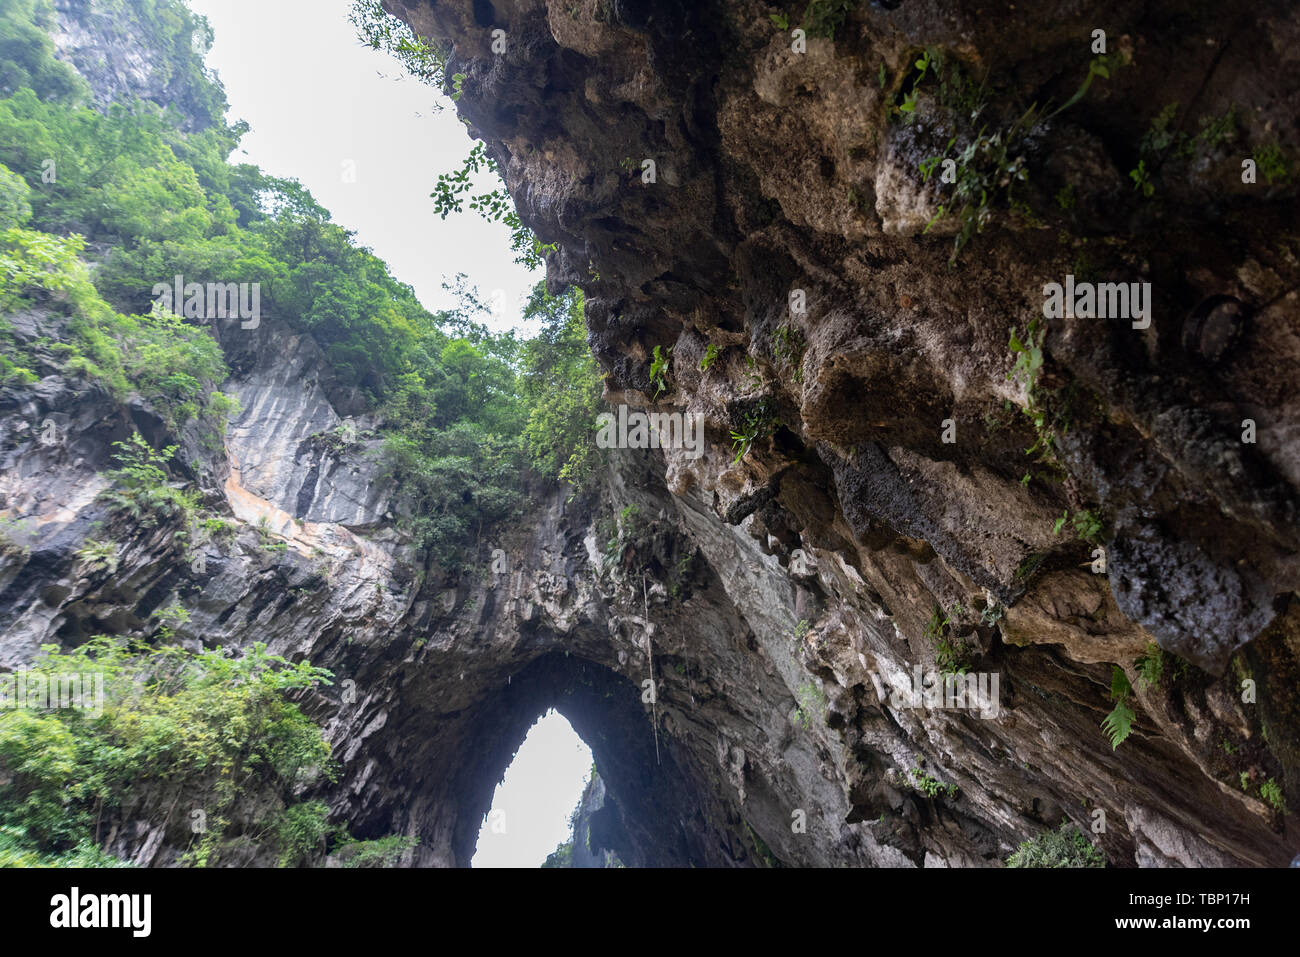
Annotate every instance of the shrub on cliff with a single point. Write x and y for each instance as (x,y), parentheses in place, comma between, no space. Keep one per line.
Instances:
(1066,847)
(174,733)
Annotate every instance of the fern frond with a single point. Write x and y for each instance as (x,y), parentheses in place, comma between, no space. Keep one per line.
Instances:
(1150,667)
(1119,723)
(1119,686)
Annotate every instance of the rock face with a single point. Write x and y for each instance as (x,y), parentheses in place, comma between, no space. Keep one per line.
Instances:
(595,828)
(757,201)
(738,637)
(118,50)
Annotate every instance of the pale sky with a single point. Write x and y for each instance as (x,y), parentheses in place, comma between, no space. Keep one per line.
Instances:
(531,807)
(317,99)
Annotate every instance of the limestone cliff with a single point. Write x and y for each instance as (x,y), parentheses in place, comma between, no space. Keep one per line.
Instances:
(778,244)
(779,592)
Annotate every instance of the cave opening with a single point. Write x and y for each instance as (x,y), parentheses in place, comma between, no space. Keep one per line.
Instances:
(531,807)
(646,796)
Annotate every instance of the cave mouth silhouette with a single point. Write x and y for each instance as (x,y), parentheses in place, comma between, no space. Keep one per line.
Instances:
(533,806)
(647,799)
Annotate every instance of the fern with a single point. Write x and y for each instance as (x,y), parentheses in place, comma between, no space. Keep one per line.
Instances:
(140,490)
(659,370)
(1118,725)
(1150,667)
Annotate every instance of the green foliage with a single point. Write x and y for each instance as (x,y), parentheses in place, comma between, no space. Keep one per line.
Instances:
(1066,847)
(157,356)
(952,656)
(812,704)
(462,411)
(140,488)
(10,544)
(15,199)
(1142,179)
(562,386)
(1271,792)
(1025,371)
(94,555)
(300,831)
(710,356)
(15,851)
(659,370)
(781,20)
(27,52)
(207,729)
(380,30)
(994,612)
(459,480)
(823,18)
(381,852)
(990,159)
(907,106)
(562,856)
(494,205)
(1272,163)
(788,347)
(1086,525)
(1118,725)
(1162,133)
(1150,666)
(1100,66)
(176,40)
(929,786)
(1164,139)
(759,421)
(988,167)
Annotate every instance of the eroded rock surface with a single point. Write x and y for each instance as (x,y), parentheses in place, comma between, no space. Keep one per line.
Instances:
(784,170)
(778,601)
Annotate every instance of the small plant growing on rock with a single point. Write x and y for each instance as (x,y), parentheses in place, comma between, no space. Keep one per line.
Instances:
(659,370)
(994,612)
(812,701)
(381,852)
(1271,792)
(169,619)
(929,786)
(1066,847)
(951,657)
(1141,178)
(710,356)
(140,489)
(95,554)
(823,18)
(1272,164)
(758,423)
(1150,667)
(218,528)
(9,544)
(788,346)
(1118,725)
